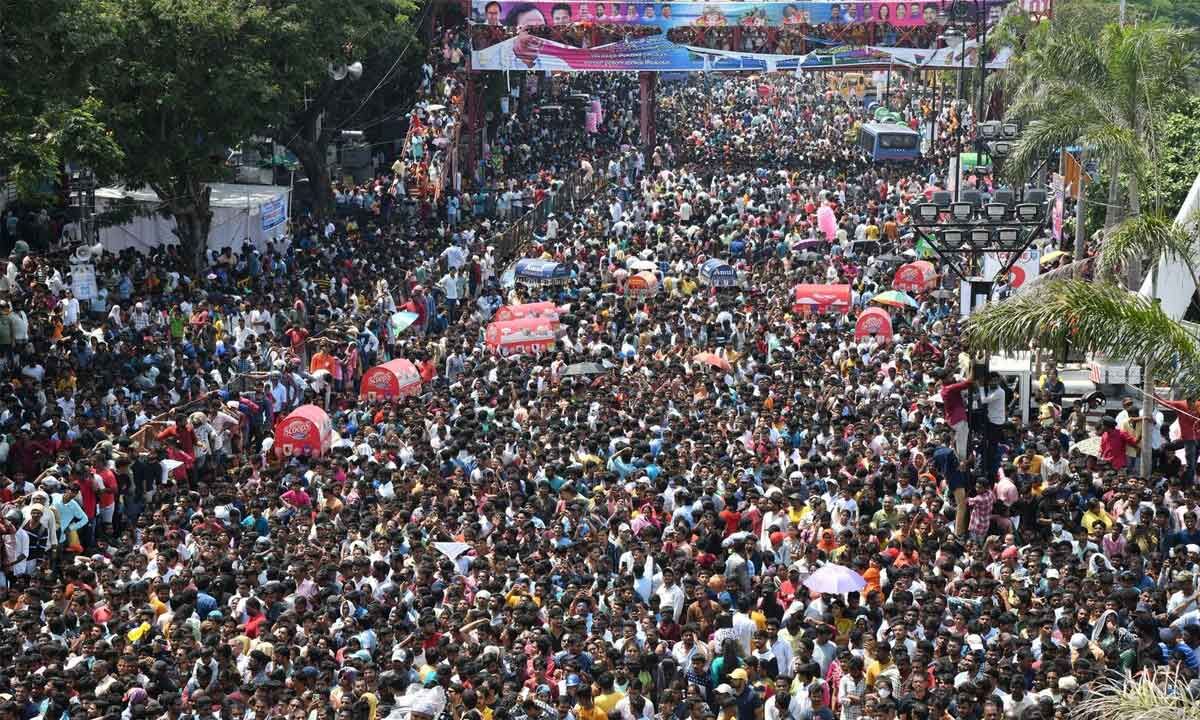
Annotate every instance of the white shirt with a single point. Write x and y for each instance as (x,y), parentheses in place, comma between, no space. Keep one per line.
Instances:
(70,308)
(455,257)
(744,628)
(994,401)
(673,598)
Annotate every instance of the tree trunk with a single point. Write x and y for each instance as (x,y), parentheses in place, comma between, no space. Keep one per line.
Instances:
(192,227)
(312,158)
(1134,272)
(191,208)
(1112,212)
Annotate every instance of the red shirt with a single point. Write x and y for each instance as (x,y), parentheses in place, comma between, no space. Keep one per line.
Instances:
(732,518)
(108,495)
(297,336)
(253,623)
(1189,425)
(953,408)
(1112,447)
(87,496)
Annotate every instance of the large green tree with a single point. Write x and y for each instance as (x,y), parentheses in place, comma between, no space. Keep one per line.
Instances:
(184,80)
(47,116)
(313,106)
(1106,90)
(1179,156)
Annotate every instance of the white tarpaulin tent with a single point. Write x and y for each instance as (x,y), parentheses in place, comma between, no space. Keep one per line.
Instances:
(1176,286)
(257,213)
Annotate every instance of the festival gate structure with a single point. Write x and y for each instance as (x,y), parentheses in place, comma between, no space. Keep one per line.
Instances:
(649,37)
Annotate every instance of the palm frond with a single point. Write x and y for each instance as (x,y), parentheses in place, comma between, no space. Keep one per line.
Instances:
(1145,236)
(1092,317)
(1040,137)
(1116,144)
(1062,272)
(1161,695)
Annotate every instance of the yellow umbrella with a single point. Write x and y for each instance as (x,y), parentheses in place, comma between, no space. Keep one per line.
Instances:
(1053,256)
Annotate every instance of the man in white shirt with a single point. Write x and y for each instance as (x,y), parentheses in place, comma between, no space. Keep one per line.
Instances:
(70,309)
(455,256)
(670,594)
(744,626)
(1055,463)
(993,398)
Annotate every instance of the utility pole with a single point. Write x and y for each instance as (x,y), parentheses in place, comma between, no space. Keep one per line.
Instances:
(1149,406)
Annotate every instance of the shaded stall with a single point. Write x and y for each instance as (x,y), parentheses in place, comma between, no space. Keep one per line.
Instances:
(873,322)
(718,273)
(532,271)
(641,285)
(393,379)
(513,337)
(526,310)
(915,277)
(820,298)
(305,431)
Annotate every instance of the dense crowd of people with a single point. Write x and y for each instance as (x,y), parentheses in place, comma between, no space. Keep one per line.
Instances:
(625,526)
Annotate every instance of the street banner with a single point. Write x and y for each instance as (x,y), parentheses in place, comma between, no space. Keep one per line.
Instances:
(1026,268)
(684,36)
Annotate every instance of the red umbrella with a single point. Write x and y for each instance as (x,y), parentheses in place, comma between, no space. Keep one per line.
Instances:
(714,360)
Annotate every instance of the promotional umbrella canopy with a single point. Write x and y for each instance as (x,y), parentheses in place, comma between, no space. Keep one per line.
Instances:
(717,273)
(807,243)
(525,310)
(541,272)
(393,379)
(915,276)
(821,298)
(894,298)
(642,285)
(306,431)
(835,580)
(714,360)
(584,368)
(873,322)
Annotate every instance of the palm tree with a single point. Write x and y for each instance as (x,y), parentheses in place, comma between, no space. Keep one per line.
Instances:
(1100,316)
(1104,90)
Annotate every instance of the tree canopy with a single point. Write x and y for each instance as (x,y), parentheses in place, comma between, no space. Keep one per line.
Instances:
(156,92)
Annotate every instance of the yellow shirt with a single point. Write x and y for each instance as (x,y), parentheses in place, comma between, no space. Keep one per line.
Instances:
(1091,518)
(874,670)
(592,713)
(606,703)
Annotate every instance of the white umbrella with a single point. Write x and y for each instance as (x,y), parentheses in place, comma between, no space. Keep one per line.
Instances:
(1088,446)
(835,580)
